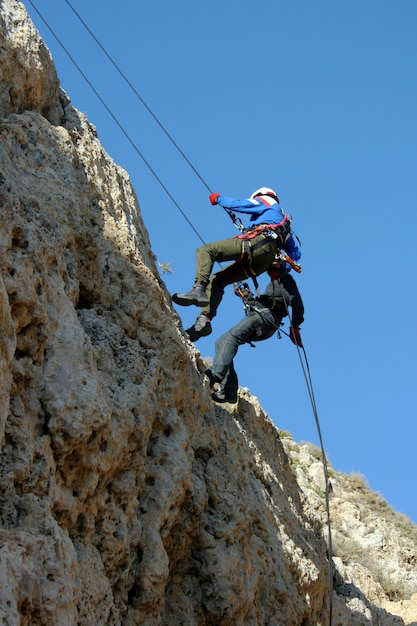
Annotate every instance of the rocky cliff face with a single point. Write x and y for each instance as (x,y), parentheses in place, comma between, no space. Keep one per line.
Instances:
(127,496)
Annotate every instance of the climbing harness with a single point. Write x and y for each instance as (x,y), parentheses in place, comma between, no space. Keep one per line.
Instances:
(242,291)
(274,232)
(258,305)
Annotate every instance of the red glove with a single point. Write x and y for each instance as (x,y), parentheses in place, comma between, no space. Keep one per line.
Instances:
(213,198)
(274,274)
(275,270)
(296,337)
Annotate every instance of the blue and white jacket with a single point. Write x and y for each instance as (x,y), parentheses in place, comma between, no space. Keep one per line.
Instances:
(262,210)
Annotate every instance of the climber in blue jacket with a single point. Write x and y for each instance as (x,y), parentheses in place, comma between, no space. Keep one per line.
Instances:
(253,252)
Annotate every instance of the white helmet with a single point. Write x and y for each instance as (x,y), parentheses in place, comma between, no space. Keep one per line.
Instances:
(265,191)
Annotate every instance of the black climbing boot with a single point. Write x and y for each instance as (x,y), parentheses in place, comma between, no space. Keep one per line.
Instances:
(201,328)
(214,382)
(225,396)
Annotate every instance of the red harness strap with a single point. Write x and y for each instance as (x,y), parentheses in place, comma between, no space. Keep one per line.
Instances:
(261,228)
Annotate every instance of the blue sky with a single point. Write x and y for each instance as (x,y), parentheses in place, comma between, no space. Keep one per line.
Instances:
(317,100)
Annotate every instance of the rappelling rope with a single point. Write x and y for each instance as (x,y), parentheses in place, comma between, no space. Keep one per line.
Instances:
(307,375)
(126,134)
(161,126)
(236,221)
(309,383)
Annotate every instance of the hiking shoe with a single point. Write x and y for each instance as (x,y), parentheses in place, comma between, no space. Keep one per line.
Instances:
(222,396)
(213,381)
(196,296)
(201,328)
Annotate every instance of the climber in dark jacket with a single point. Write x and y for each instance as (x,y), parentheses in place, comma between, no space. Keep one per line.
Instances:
(253,252)
(263,318)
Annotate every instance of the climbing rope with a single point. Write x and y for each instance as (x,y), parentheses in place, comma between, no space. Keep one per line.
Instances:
(126,134)
(236,221)
(309,383)
(161,126)
(307,376)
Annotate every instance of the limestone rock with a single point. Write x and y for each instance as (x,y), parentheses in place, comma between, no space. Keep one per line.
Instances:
(127,496)
(28,80)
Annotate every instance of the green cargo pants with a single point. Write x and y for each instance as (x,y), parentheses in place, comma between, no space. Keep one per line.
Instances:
(262,253)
